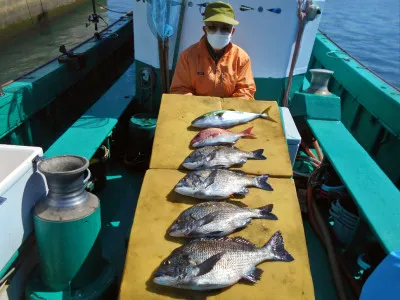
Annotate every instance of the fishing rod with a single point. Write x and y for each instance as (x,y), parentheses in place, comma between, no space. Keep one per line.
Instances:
(94,18)
(94,6)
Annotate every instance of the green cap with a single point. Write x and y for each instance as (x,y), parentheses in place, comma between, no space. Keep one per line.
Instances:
(220,12)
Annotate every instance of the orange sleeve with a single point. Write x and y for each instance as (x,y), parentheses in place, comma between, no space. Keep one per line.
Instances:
(245,85)
(182,83)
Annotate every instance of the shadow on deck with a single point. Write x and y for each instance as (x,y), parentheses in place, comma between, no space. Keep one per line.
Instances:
(118,204)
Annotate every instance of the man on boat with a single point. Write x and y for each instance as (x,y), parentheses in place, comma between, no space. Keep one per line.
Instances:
(214,66)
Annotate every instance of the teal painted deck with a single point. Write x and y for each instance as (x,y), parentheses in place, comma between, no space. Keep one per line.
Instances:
(324,286)
(118,203)
(376,196)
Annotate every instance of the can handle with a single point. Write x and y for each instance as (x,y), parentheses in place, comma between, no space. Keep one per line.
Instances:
(86,180)
(36,161)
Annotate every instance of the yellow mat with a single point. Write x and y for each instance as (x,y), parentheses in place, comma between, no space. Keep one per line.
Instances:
(158,207)
(173,133)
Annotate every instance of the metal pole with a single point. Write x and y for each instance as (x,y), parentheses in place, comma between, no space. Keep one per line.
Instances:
(94,13)
(302,18)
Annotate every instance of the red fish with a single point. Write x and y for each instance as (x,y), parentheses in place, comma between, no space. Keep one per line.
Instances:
(218,136)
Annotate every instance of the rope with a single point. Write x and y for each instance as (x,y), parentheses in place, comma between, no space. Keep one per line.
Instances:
(6,276)
(331,251)
(302,15)
(178,36)
(103,20)
(114,11)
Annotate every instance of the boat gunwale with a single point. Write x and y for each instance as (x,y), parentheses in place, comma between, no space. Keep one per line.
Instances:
(366,88)
(359,62)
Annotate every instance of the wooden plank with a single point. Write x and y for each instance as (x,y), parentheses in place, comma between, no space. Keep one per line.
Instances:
(376,196)
(159,205)
(85,136)
(173,133)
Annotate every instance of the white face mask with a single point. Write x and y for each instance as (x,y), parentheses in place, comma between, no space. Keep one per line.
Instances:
(218,40)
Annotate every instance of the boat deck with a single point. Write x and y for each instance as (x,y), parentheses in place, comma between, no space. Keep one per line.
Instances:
(118,206)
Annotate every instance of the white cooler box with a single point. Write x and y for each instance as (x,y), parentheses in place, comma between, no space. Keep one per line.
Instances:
(20,189)
(293,137)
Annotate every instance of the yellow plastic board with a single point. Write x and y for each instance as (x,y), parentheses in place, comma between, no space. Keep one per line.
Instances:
(173,133)
(158,207)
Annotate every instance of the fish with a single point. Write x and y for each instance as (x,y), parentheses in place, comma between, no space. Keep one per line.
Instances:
(219,184)
(216,219)
(219,157)
(228,118)
(215,263)
(218,136)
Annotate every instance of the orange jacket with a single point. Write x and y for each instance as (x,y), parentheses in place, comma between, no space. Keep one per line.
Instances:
(197,74)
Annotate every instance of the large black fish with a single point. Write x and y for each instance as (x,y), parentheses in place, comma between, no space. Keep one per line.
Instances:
(219,184)
(220,157)
(216,219)
(211,263)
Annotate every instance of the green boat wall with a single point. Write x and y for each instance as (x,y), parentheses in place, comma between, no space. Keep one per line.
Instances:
(37,107)
(370,107)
